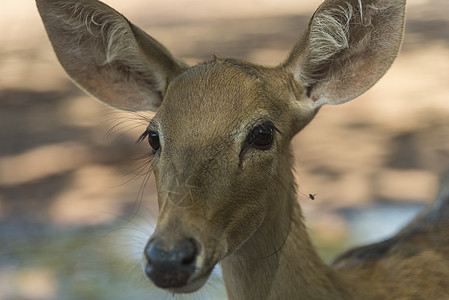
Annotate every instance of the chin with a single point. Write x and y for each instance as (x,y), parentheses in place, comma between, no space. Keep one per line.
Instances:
(191,287)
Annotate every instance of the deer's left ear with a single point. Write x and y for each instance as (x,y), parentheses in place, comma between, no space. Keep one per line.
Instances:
(347,47)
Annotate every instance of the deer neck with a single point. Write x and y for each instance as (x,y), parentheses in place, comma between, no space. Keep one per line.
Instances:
(279,261)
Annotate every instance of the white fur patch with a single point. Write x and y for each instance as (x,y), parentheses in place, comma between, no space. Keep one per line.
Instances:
(138,233)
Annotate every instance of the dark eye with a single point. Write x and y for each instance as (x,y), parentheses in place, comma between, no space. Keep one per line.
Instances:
(261,137)
(153,139)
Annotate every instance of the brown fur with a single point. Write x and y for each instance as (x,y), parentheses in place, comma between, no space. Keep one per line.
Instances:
(240,206)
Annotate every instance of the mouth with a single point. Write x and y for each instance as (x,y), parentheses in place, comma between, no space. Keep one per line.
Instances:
(179,282)
(193,285)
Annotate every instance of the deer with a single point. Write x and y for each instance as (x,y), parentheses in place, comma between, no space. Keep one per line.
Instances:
(220,148)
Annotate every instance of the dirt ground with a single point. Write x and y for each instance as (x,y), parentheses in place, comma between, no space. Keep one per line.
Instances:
(67,161)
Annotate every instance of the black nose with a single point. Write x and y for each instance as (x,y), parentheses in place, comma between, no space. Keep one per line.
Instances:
(173,267)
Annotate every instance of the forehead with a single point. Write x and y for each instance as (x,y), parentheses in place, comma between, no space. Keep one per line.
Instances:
(215,86)
(216,95)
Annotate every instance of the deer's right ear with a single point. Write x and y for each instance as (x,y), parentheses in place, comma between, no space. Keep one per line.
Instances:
(347,47)
(106,55)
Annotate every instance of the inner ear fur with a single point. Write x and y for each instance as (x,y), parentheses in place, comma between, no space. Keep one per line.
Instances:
(347,47)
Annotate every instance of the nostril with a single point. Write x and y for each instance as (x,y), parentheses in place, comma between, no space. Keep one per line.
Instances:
(190,252)
(152,252)
(188,259)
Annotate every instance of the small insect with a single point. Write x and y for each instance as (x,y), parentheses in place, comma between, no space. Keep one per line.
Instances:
(312,196)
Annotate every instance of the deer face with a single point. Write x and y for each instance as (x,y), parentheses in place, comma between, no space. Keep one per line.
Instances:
(220,138)
(219,143)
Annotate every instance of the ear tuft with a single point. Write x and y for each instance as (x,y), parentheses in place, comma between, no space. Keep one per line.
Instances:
(328,36)
(347,47)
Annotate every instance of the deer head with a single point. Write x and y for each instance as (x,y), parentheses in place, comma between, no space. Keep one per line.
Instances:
(220,139)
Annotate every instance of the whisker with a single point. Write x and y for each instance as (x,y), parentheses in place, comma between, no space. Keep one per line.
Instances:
(139,198)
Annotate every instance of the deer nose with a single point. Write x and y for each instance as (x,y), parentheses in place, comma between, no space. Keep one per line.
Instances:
(173,267)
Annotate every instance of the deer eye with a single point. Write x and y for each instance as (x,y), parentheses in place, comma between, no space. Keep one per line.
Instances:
(261,137)
(153,139)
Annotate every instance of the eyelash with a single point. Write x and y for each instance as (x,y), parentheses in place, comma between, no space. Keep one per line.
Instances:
(143,136)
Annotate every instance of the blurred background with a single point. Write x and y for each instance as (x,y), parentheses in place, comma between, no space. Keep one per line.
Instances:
(75,209)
